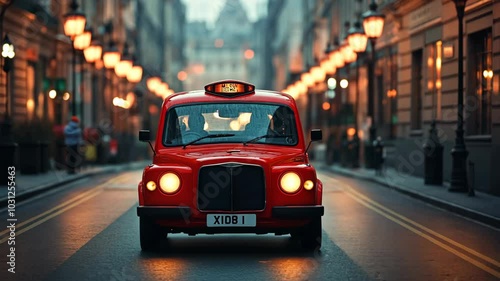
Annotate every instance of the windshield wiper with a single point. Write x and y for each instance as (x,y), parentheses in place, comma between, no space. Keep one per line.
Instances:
(211,136)
(266,136)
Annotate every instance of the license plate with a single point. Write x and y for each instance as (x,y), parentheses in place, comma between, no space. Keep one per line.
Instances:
(240,220)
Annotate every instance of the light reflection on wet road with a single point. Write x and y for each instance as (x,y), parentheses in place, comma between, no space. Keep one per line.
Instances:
(369,233)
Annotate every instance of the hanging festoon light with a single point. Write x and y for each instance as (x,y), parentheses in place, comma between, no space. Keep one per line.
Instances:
(166,89)
(347,52)
(328,66)
(301,87)
(292,91)
(337,58)
(134,75)
(307,78)
(152,83)
(318,74)
(111,56)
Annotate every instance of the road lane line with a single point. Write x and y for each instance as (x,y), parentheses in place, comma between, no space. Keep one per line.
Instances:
(22,230)
(430,231)
(54,208)
(63,204)
(399,219)
(428,237)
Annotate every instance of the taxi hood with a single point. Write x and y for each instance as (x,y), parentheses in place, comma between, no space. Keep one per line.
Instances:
(255,154)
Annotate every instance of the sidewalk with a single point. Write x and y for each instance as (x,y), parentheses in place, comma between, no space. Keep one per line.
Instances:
(31,185)
(482,207)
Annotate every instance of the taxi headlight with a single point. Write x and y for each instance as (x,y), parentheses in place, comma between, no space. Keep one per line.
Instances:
(308,185)
(151,185)
(170,183)
(290,182)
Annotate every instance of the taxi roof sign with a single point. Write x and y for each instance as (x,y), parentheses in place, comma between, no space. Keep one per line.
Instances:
(229,88)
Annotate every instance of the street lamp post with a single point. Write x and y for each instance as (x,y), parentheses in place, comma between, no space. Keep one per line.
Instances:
(459,153)
(358,40)
(74,25)
(349,57)
(7,146)
(92,55)
(373,25)
(110,58)
(80,43)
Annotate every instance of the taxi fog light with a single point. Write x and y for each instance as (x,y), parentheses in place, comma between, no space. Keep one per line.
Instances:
(170,183)
(151,185)
(290,182)
(308,185)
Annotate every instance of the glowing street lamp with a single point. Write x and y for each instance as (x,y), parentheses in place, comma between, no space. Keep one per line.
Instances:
(83,40)
(125,64)
(74,25)
(134,75)
(152,83)
(8,54)
(74,21)
(111,56)
(373,25)
(93,52)
(357,38)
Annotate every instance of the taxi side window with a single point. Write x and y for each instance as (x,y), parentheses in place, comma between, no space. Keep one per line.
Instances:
(173,128)
(283,124)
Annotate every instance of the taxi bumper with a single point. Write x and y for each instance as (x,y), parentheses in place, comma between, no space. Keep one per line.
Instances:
(183,212)
(298,212)
(164,212)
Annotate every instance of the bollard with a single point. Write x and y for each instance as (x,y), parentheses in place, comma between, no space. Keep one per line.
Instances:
(433,151)
(472,171)
(330,150)
(344,150)
(378,155)
(355,151)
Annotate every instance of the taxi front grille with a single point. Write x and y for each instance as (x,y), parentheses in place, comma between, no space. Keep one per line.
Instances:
(231,187)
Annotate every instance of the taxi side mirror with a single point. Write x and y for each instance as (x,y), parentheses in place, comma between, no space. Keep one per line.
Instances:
(316,135)
(144,135)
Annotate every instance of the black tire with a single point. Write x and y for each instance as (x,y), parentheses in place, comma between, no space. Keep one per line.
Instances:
(310,237)
(150,235)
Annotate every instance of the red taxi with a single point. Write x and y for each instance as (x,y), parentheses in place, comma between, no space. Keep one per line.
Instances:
(230,159)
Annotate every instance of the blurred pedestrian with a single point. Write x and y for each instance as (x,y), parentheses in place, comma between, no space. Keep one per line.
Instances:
(72,140)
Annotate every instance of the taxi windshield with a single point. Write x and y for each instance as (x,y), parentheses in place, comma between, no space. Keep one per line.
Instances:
(230,123)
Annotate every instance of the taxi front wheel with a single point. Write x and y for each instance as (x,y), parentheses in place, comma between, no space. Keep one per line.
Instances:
(310,235)
(150,235)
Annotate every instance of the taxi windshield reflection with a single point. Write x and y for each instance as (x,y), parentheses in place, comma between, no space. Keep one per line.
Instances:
(241,122)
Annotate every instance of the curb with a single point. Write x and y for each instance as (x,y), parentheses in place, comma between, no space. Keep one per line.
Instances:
(463,211)
(46,187)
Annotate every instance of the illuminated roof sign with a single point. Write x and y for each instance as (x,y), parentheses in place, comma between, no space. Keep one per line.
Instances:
(229,88)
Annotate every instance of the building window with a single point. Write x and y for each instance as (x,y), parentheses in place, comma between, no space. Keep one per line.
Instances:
(390,70)
(392,94)
(416,90)
(31,98)
(433,73)
(478,103)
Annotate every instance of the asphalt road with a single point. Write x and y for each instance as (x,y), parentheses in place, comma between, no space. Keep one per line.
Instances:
(89,231)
